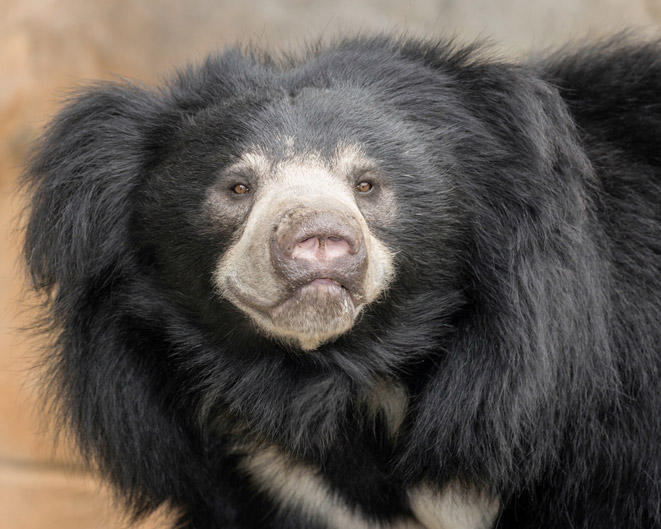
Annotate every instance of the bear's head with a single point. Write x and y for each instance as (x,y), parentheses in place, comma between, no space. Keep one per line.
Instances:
(286,210)
(266,203)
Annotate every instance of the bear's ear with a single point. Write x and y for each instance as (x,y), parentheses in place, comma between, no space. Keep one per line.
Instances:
(81,178)
(100,370)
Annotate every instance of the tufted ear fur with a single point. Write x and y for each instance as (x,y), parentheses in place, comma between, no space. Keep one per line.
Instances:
(82,177)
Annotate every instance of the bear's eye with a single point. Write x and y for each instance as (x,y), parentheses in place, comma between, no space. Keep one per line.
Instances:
(240,189)
(364,187)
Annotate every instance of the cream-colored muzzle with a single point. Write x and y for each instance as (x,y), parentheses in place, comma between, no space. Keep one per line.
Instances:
(281,303)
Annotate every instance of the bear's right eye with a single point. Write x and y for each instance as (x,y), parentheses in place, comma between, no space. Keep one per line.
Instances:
(240,189)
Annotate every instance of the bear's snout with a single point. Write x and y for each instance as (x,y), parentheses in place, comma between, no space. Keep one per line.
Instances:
(309,244)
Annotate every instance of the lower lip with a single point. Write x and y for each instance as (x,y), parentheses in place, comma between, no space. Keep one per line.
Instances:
(324,286)
(323,281)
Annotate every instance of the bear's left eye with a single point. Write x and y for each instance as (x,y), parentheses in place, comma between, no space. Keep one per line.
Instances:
(240,189)
(364,187)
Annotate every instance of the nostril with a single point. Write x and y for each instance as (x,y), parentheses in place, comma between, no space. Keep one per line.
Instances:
(321,248)
(306,249)
(336,247)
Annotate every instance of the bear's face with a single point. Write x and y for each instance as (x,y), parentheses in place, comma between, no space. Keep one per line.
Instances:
(304,261)
(287,209)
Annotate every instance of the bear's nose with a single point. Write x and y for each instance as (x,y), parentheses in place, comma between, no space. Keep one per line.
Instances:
(321,248)
(309,245)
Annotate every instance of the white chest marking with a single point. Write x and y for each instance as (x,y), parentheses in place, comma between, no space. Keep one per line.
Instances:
(453,507)
(299,486)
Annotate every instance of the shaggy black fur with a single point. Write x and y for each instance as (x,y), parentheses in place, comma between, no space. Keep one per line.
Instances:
(524,319)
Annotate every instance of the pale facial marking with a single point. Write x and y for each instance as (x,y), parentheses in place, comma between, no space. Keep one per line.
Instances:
(245,274)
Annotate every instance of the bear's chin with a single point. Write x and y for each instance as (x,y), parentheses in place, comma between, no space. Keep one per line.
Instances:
(314,314)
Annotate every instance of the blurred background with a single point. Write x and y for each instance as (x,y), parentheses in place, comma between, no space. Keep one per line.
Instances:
(50,46)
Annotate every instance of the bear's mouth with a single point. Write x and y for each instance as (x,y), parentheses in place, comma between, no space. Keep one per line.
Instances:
(322,295)
(322,307)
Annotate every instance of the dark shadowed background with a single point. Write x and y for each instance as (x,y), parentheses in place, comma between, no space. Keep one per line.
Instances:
(49,46)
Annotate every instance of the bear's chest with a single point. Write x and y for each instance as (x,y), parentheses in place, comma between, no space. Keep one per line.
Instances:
(363,496)
(358,486)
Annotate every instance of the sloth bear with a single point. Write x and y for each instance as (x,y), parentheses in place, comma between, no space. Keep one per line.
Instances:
(388,284)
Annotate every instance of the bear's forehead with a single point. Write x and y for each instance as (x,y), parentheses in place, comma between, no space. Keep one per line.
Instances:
(265,163)
(326,122)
